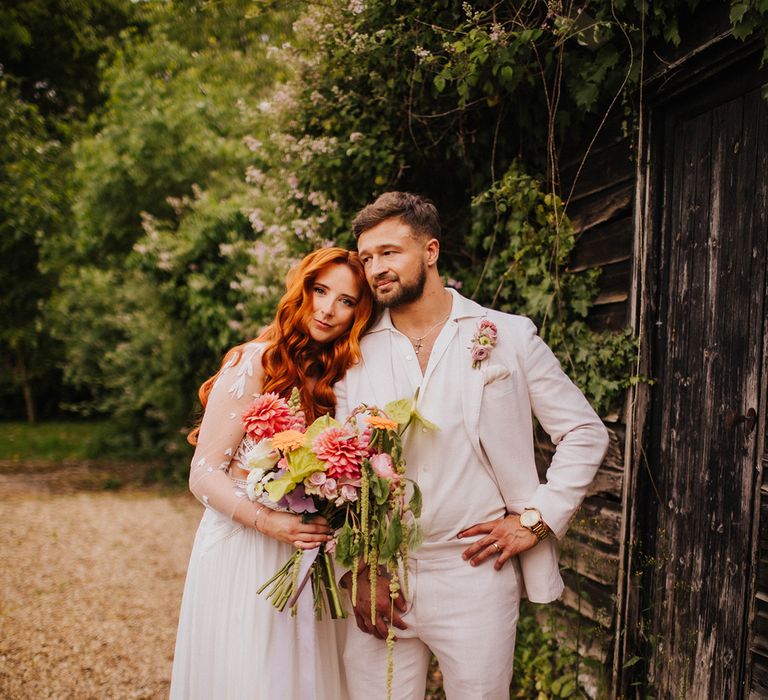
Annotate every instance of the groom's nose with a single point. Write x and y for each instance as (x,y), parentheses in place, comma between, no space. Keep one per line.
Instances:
(377,267)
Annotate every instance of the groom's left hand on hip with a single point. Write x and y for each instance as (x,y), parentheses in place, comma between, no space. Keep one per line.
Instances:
(503,540)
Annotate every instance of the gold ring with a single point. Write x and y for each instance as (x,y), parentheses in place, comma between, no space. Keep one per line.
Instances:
(496,544)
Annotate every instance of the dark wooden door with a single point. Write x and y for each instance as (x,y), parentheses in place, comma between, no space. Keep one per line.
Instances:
(709,329)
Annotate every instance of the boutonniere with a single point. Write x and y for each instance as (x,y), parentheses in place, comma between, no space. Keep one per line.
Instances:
(482,342)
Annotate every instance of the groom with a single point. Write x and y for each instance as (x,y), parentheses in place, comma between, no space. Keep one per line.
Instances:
(489,525)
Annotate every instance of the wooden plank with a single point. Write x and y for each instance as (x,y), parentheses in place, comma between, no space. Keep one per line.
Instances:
(602,169)
(610,133)
(598,209)
(603,244)
(588,599)
(759,639)
(761,575)
(613,284)
(599,519)
(568,629)
(758,687)
(607,482)
(609,317)
(590,560)
(614,456)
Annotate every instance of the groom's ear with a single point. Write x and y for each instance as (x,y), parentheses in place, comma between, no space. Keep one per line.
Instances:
(432,251)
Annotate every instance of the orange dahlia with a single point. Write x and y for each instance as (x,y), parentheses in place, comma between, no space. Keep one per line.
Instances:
(287,440)
(381,423)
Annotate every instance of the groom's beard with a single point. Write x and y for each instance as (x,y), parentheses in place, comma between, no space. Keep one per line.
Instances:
(401,293)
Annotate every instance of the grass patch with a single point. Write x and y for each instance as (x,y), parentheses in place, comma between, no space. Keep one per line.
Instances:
(55,440)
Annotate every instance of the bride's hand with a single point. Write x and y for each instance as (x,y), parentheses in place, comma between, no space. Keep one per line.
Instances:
(287,527)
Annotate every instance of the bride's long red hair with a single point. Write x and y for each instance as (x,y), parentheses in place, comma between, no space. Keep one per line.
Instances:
(291,357)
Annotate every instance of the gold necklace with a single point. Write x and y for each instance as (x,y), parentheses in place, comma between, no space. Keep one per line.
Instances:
(418,342)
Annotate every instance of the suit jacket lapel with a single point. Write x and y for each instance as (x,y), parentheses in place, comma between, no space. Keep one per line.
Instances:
(471,382)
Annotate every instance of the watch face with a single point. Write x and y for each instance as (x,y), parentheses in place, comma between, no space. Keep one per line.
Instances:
(529,518)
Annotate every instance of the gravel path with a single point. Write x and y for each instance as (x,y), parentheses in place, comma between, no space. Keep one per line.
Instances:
(90,586)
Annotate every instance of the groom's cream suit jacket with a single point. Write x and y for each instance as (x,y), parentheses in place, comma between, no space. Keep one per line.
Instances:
(521,379)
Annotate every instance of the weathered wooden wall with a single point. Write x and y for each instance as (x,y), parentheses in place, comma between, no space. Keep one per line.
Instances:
(600,204)
(758,643)
(602,609)
(696,215)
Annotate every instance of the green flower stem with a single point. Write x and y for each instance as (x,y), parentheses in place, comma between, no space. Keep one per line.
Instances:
(277,576)
(334,601)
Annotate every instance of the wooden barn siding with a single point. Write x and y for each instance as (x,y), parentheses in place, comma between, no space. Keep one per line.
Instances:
(600,207)
(758,644)
(691,64)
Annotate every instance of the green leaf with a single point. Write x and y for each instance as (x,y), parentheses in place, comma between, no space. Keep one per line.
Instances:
(379,488)
(343,553)
(303,463)
(738,10)
(279,487)
(631,662)
(393,540)
(426,423)
(439,82)
(414,505)
(322,423)
(399,411)
(415,537)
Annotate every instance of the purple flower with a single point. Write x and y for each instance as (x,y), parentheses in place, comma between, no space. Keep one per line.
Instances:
(348,493)
(328,489)
(299,502)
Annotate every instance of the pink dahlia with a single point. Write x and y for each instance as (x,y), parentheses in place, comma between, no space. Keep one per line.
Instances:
(341,452)
(267,414)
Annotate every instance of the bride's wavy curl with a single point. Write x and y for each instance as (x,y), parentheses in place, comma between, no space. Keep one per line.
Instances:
(291,357)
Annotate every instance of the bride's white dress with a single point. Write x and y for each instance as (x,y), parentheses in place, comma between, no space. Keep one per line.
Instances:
(232,643)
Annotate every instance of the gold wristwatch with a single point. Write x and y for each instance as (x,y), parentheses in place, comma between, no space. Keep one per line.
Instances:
(531,520)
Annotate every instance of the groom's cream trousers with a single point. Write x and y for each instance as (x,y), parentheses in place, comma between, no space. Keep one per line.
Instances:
(465,615)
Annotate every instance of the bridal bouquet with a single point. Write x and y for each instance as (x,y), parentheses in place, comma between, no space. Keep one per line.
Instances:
(351,474)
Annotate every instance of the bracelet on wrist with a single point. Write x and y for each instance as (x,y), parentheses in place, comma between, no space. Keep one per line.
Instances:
(256,518)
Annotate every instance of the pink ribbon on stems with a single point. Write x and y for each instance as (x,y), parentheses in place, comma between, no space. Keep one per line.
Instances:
(304,623)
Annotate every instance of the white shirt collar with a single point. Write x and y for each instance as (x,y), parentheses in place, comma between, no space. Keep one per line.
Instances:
(461,308)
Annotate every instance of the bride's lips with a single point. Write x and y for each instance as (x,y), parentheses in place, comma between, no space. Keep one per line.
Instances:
(322,325)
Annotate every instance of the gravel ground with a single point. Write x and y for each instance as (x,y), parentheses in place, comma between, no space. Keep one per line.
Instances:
(90,586)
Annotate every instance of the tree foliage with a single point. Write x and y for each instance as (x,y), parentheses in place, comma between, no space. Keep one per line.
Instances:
(32,203)
(163,232)
(222,140)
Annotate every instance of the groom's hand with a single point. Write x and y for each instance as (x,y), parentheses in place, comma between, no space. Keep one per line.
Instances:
(362,606)
(505,538)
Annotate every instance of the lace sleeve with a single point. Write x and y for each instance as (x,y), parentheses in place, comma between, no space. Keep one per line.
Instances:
(221,432)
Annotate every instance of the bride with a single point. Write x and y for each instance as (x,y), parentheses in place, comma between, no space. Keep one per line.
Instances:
(232,643)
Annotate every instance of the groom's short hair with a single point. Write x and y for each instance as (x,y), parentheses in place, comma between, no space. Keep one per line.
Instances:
(417,212)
